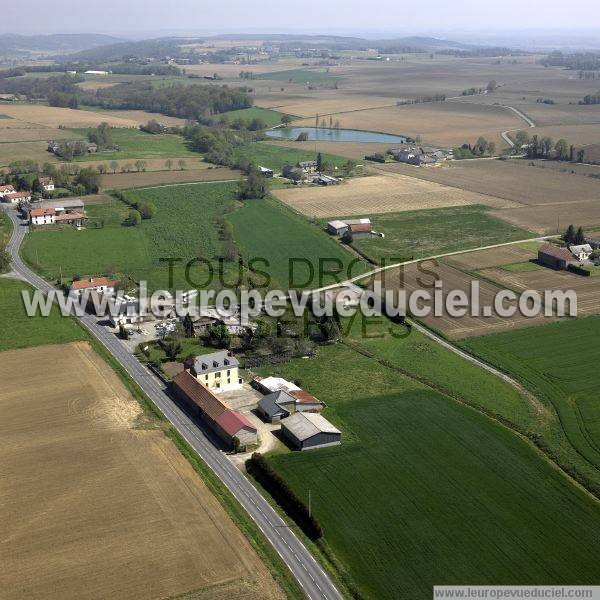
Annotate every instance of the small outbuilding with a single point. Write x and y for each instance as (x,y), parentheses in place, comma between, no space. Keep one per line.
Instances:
(276,406)
(337,227)
(307,431)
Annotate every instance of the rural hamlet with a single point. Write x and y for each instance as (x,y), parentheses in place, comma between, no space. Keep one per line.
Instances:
(284,290)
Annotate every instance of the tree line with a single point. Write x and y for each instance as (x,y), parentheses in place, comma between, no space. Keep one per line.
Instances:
(192,102)
(545,147)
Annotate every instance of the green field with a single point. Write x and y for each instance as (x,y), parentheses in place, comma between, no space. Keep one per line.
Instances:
(135,144)
(270,117)
(265,229)
(299,76)
(276,157)
(557,362)
(522,267)
(426,491)
(17,330)
(430,232)
(182,228)
(419,357)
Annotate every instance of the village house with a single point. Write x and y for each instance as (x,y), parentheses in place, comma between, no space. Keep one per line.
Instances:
(42,216)
(582,251)
(6,189)
(97,284)
(51,216)
(218,371)
(16,197)
(555,257)
(47,184)
(228,424)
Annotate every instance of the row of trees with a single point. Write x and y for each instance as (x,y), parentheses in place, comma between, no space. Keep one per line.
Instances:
(262,471)
(570,236)
(139,210)
(545,147)
(481,148)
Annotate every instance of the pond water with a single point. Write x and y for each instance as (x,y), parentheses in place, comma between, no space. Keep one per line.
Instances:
(335,135)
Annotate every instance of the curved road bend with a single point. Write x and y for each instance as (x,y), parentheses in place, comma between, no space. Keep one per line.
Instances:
(311,577)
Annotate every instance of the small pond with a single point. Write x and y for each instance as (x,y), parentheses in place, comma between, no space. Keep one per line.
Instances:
(335,135)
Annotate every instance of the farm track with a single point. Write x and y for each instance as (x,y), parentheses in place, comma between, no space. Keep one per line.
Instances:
(309,574)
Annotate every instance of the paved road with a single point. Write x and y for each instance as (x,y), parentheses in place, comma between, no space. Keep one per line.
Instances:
(314,581)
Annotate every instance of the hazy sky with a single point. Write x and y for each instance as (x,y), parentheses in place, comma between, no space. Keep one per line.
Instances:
(357,16)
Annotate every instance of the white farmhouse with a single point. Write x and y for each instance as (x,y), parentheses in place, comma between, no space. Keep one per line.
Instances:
(582,251)
(42,216)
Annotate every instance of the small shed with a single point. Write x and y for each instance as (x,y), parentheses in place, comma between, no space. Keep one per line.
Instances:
(307,431)
(337,227)
(276,406)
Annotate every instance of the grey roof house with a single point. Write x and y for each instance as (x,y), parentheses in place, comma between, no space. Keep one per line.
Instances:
(276,406)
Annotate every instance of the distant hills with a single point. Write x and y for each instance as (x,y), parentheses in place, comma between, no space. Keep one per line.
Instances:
(12,44)
(170,46)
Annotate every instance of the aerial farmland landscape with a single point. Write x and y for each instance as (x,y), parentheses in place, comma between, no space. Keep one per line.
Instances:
(300,302)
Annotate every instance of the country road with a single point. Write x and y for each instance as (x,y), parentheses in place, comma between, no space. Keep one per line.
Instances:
(309,574)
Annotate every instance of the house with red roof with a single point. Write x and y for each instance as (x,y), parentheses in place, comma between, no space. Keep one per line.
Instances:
(100,285)
(6,189)
(16,197)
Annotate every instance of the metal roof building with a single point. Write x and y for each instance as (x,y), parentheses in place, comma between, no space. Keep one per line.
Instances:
(306,431)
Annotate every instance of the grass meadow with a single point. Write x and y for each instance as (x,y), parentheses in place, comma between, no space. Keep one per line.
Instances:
(266,229)
(136,144)
(183,228)
(424,490)
(17,330)
(276,157)
(416,234)
(557,362)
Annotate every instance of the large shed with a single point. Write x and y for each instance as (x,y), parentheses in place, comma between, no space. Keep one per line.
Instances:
(555,257)
(306,431)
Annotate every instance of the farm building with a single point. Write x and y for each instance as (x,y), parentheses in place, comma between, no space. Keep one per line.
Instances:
(555,257)
(306,402)
(582,251)
(360,230)
(67,205)
(326,180)
(276,406)
(42,216)
(218,371)
(16,197)
(339,227)
(265,172)
(50,216)
(307,431)
(308,166)
(226,423)
(6,189)
(267,385)
(101,285)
